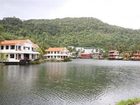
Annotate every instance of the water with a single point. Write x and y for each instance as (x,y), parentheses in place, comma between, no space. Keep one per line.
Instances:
(80,82)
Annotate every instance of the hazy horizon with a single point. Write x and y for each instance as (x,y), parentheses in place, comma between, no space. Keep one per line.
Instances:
(123,13)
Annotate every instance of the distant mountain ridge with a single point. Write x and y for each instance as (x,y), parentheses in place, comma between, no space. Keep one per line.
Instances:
(86,32)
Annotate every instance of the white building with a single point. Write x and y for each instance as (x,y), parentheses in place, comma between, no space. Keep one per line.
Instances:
(98,53)
(59,53)
(16,50)
(79,49)
(95,52)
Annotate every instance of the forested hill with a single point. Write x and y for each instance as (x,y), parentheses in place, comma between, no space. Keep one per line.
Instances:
(89,32)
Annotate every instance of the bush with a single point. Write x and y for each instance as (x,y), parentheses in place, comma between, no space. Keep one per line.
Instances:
(129,102)
(67,60)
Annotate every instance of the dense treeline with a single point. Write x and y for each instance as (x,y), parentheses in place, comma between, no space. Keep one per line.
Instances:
(89,32)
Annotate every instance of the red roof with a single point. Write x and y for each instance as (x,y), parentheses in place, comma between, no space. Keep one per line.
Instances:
(56,49)
(14,42)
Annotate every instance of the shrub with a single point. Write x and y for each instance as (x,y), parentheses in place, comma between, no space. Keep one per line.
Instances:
(129,102)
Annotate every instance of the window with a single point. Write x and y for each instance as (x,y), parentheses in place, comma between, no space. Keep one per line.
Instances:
(26,48)
(2,47)
(16,56)
(33,57)
(11,55)
(96,50)
(19,56)
(19,47)
(12,47)
(7,47)
(32,49)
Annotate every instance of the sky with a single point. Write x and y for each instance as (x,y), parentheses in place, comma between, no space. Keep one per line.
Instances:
(124,13)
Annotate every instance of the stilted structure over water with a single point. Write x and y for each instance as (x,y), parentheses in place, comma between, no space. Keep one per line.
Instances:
(136,56)
(18,51)
(114,55)
(57,53)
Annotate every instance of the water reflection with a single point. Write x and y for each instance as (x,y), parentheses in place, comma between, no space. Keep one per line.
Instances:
(81,82)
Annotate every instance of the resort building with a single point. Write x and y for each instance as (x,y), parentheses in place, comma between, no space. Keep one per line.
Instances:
(59,53)
(89,53)
(127,55)
(97,53)
(114,55)
(136,55)
(86,54)
(17,50)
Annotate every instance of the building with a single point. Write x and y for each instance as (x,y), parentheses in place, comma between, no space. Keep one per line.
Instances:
(94,53)
(97,53)
(127,55)
(86,54)
(114,55)
(59,53)
(16,50)
(136,55)
(79,49)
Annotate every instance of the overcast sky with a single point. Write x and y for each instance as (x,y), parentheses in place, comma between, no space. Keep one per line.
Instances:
(125,13)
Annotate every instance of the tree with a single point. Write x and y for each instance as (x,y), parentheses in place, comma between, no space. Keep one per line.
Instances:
(3,57)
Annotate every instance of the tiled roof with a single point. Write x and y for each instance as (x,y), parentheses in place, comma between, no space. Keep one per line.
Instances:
(56,49)
(14,42)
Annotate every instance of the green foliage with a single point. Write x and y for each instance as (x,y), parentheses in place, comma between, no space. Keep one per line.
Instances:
(1,29)
(67,60)
(3,57)
(86,32)
(129,102)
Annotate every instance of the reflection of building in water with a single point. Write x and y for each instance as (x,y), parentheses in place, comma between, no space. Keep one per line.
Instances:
(22,75)
(56,71)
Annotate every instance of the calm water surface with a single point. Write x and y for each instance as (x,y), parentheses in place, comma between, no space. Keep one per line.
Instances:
(80,82)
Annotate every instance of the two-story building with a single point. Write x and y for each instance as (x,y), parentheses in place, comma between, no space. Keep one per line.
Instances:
(86,54)
(97,53)
(17,50)
(114,55)
(59,53)
(136,56)
(89,53)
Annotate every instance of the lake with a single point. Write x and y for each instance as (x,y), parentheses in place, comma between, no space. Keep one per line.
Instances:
(80,82)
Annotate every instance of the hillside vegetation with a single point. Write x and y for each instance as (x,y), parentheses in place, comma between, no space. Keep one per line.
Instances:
(86,32)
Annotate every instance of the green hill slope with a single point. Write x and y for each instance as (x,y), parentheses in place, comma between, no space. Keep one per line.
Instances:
(89,32)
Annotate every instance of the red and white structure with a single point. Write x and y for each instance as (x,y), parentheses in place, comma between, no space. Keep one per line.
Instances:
(16,50)
(57,53)
(114,55)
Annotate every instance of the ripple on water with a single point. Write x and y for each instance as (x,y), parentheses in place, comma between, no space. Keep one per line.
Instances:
(80,82)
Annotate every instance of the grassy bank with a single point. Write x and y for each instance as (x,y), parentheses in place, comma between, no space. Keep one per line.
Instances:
(134,101)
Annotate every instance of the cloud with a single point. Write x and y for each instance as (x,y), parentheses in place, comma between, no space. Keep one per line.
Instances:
(29,8)
(124,13)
